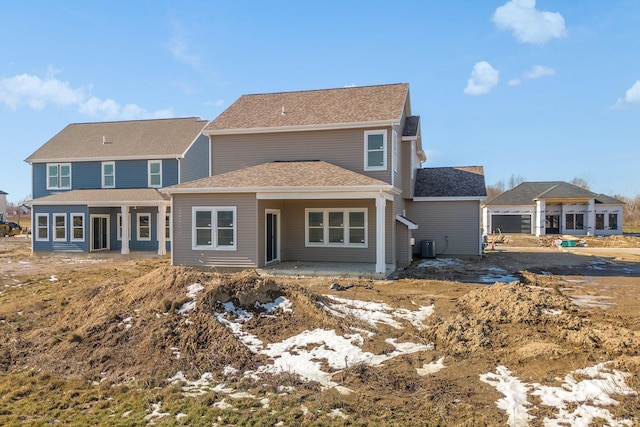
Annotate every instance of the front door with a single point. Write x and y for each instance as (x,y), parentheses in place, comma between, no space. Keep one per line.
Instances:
(552,224)
(99,232)
(272,238)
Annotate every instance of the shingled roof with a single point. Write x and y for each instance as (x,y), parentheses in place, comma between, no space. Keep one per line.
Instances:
(109,197)
(527,193)
(135,139)
(462,181)
(340,106)
(281,175)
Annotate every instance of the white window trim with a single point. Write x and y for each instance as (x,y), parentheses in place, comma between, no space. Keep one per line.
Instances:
(119,226)
(138,217)
(38,238)
(325,223)
(395,154)
(104,175)
(382,132)
(55,227)
(168,227)
(73,227)
(59,187)
(149,163)
(214,227)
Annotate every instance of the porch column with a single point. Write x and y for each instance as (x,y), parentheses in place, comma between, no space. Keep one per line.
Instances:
(591,218)
(540,218)
(162,238)
(381,265)
(124,210)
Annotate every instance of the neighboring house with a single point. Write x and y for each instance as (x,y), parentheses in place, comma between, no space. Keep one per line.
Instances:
(553,207)
(90,176)
(323,175)
(3,204)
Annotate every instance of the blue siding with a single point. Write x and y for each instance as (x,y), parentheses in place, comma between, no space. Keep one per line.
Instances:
(39,180)
(86,175)
(195,164)
(66,245)
(169,172)
(134,173)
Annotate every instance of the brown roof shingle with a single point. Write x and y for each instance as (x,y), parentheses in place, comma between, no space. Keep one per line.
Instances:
(462,181)
(283,174)
(161,138)
(116,197)
(314,107)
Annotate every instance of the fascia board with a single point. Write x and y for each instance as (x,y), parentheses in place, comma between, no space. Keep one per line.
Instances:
(449,199)
(301,128)
(105,159)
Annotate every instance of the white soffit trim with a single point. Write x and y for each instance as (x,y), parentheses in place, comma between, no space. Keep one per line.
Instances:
(387,189)
(299,128)
(449,199)
(410,224)
(106,159)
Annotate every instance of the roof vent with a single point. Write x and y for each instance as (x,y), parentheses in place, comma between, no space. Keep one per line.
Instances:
(104,140)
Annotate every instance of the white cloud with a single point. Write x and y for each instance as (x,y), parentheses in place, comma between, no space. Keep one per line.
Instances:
(37,93)
(539,71)
(528,24)
(179,48)
(483,78)
(632,96)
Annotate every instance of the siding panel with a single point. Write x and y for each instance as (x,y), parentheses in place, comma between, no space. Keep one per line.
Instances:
(195,164)
(459,220)
(246,255)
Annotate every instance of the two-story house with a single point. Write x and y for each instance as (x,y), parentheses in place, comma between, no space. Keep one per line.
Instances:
(96,185)
(322,176)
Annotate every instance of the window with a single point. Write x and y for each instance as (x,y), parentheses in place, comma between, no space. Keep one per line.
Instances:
(42,227)
(375,150)
(336,227)
(167,226)
(155,173)
(214,228)
(59,227)
(108,175)
(613,221)
(574,221)
(599,221)
(144,226)
(58,176)
(77,227)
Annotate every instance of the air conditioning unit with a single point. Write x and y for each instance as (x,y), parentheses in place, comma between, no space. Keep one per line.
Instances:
(428,248)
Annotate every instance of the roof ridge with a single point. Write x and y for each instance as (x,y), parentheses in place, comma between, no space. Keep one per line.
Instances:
(326,89)
(138,120)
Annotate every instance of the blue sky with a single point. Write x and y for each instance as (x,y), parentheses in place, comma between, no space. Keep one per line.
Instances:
(546,90)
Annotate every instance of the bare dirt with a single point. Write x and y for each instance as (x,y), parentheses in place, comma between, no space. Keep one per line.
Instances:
(106,318)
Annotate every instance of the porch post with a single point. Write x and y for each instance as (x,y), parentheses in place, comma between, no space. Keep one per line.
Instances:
(162,238)
(124,210)
(381,265)
(540,217)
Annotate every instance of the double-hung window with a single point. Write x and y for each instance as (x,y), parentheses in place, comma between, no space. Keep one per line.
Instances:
(214,227)
(375,150)
(144,227)
(108,175)
(574,221)
(60,227)
(167,226)
(77,227)
(155,173)
(42,227)
(336,227)
(58,176)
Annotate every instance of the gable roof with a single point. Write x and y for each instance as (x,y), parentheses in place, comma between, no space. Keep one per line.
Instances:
(339,107)
(2,192)
(462,181)
(280,175)
(135,139)
(527,193)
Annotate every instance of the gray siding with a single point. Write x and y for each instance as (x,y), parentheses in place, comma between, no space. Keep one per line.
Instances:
(195,164)
(344,148)
(459,220)
(66,245)
(246,254)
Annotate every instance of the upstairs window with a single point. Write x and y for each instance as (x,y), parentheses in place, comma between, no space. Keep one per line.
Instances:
(375,150)
(58,176)
(108,175)
(155,173)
